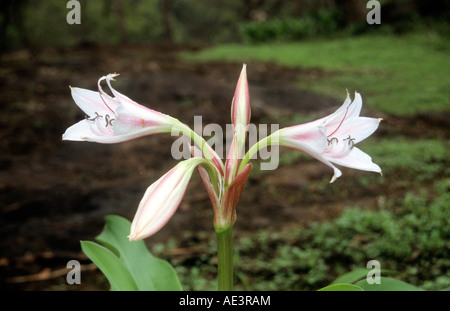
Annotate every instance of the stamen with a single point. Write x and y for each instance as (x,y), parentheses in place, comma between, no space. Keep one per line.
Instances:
(330,141)
(94,118)
(351,141)
(110,77)
(101,92)
(108,120)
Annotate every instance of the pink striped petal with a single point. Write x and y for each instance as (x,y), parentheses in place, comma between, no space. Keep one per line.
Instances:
(161,200)
(240,106)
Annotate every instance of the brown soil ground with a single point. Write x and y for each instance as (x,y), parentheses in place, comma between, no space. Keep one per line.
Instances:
(55,193)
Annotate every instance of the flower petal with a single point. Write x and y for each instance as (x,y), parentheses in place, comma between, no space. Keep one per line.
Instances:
(80,131)
(91,102)
(309,138)
(336,172)
(355,107)
(348,112)
(335,119)
(136,120)
(360,128)
(357,159)
(84,130)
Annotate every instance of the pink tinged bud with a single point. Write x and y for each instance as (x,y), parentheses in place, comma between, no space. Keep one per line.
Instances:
(240,116)
(240,106)
(161,200)
(114,119)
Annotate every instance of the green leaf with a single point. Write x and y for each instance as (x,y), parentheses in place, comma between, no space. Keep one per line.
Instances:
(117,274)
(358,274)
(352,277)
(341,288)
(148,272)
(387,284)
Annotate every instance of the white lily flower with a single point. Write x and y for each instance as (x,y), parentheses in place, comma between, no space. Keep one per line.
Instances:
(114,119)
(332,139)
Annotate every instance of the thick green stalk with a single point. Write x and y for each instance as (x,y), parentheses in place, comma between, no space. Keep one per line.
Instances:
(225,258)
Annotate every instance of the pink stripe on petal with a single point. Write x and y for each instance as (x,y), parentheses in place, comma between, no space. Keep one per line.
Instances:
(161,200)
(89,101)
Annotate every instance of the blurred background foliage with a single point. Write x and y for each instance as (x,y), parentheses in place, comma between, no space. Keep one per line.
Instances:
(25,23)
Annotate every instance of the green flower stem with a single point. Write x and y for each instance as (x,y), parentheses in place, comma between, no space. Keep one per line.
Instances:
(198,140)
(270,140)
(201,144)
(225,258)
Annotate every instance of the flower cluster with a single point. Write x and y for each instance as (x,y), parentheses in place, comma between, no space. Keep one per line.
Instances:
(117,118)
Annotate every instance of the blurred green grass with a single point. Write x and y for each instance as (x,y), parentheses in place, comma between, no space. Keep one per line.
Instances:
(397,75)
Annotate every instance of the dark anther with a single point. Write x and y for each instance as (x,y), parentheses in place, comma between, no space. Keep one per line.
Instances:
(108,120)
(94,118)
(351,141)
(331,140)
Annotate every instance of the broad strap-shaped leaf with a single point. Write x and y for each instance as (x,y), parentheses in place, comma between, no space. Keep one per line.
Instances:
(387,284)
(358,274)
(352,276)
(112,267)
(148,271)
(341,288)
